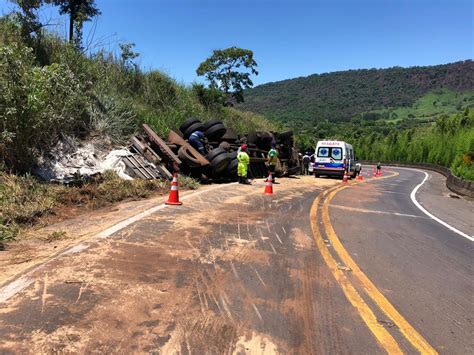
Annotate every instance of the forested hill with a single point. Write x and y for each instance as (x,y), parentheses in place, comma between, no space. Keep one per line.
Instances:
(342,95)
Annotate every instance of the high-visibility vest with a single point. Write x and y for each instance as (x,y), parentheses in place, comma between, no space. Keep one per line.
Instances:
(272,157)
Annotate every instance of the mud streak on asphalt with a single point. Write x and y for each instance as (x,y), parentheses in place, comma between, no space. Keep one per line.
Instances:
(231,271)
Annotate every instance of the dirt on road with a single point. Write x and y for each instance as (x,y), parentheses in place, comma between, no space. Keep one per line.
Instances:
(231,271)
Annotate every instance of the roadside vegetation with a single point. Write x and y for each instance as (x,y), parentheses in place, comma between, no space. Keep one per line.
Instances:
(50,87)
(25,201)
(446,141)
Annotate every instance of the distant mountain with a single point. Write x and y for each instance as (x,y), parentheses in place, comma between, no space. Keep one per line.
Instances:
(341,96)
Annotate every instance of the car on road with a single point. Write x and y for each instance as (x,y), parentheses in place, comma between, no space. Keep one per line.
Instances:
(334,158)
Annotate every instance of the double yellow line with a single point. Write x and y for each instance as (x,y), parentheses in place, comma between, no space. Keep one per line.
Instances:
(384,338)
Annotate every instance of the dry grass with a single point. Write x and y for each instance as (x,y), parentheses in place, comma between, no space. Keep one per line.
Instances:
(24,200)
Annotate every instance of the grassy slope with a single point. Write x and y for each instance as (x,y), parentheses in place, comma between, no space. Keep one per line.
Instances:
(102,96)
(431,105)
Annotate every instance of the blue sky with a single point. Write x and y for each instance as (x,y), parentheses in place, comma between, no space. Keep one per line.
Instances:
(290,38)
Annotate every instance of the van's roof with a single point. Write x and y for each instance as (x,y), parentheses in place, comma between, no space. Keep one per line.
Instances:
(331,143)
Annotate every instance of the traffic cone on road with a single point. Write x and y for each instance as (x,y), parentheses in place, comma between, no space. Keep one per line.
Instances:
(375,172)
(269,185)
(360,177)
(345,178)
(173,198)
(380,172)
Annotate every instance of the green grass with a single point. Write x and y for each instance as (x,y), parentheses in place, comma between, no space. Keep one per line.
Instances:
(430,106)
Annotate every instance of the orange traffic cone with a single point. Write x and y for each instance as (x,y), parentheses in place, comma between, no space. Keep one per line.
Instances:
(380,172)
(360,177)
(344,178)
(269,185)
(173,199)
(375,172)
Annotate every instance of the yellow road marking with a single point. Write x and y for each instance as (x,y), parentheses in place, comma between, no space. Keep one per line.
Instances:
(383,336)
(410,333)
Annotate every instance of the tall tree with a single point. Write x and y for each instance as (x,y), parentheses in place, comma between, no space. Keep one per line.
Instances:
(79,11)
(229,71)
(28,15)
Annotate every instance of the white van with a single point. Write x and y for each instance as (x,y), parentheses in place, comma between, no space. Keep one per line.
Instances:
(333,158)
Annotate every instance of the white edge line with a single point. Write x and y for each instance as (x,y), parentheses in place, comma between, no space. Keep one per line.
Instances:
(12,288)
(417,204)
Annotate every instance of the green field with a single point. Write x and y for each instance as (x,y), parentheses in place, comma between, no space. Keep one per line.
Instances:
(429,107)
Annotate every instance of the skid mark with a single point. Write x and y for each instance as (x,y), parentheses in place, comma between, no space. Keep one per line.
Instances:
(257,312)
(273,248)
(260,278)
(226,308)
(81,290)
(234,270)
(278,237)
(45,292)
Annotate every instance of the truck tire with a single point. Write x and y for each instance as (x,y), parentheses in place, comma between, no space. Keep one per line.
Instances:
(188,123)
(198,126)
(211,123)
(216,131)
(220,164)
(185,155)
(214,153)
(232,167)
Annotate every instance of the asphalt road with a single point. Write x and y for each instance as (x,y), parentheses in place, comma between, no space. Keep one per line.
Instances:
(423,268)
(317,268)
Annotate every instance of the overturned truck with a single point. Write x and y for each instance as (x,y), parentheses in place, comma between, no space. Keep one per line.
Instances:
(155,157)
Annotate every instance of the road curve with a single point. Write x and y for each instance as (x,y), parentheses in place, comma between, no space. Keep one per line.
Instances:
(235,271)
(423,268)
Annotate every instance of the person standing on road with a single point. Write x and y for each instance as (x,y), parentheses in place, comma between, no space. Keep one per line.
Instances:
(379,167)
(358,168)
(196,139)
(244,161)
(306,161)
(272,161)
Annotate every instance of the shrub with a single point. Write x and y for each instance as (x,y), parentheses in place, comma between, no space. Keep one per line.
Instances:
(37,103)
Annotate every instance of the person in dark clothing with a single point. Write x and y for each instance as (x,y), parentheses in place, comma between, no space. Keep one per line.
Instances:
(196,139)
(306,161)
(379,167)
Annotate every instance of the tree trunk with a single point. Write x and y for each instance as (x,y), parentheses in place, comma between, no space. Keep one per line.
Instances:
(71,26)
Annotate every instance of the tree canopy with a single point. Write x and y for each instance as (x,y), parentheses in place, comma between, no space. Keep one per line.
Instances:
(229,71)
(79,11)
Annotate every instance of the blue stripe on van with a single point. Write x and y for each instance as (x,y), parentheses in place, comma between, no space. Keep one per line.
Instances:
(329,165)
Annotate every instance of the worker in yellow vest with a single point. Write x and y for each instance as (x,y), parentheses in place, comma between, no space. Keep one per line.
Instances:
(272,161)
(244,161)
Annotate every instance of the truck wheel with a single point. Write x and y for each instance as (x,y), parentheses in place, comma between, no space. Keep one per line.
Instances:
(211,123)
(232,167)
(198,126)
(216,131)
(214,153)
(220,163)
(188,123)
(188,157)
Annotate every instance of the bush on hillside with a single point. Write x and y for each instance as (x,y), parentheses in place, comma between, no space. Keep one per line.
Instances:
(52,89)
(36,104)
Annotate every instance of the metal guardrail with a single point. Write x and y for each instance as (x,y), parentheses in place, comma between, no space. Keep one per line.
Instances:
(454,183)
